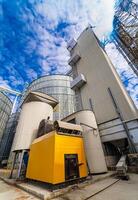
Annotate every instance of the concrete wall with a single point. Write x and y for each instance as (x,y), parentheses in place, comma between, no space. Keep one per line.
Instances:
(100,75)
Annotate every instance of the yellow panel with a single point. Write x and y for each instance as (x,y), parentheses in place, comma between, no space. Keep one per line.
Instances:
(46,159)
(41,159)
(68,145)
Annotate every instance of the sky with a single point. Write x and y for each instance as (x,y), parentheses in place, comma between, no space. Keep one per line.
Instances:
(34,36)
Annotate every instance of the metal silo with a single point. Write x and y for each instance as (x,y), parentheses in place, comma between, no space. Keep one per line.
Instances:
(57,86)
(5,111)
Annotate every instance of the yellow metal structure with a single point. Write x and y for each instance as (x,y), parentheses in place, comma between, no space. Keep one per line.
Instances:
(47,157)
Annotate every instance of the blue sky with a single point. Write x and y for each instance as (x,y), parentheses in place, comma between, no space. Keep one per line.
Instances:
(34,35)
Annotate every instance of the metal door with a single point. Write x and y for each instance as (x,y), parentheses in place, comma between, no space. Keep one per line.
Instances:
(71,167)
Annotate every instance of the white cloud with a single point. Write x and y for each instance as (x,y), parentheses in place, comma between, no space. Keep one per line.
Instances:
(53,55)
(47,42)
(79,13)
(45,67)
(14,82)
(4,83)
(31,74)
(135,1)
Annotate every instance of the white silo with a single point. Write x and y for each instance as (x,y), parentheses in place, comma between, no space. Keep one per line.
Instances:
(93,147)
(37,106)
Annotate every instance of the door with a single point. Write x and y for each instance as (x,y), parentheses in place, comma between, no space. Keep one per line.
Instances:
(71,167)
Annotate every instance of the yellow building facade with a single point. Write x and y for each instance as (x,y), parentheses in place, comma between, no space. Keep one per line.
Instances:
(56,158)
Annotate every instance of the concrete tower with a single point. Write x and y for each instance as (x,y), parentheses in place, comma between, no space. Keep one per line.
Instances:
(99,88)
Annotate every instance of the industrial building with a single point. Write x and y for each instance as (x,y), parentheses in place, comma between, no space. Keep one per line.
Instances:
(68,151)
(85,142)
(5,111)
(57,86)
(60,162)
(98,87)
(8,135)
(102,129)
(125,32)
(68,147)
(74,127)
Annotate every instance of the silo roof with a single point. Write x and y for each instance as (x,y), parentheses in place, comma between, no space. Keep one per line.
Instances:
(41,97)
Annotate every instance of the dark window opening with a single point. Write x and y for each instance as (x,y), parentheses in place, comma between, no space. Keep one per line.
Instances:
(71,166)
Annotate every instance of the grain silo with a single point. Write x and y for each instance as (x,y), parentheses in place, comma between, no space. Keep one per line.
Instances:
(36,106)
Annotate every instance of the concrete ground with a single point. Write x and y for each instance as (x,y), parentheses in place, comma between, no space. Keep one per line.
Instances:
(8,192)
(119,190)
(40,190)
(105,189)
(122,190)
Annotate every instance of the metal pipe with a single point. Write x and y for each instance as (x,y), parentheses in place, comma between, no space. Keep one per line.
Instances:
(20,164)
(13,164)
(88,126)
